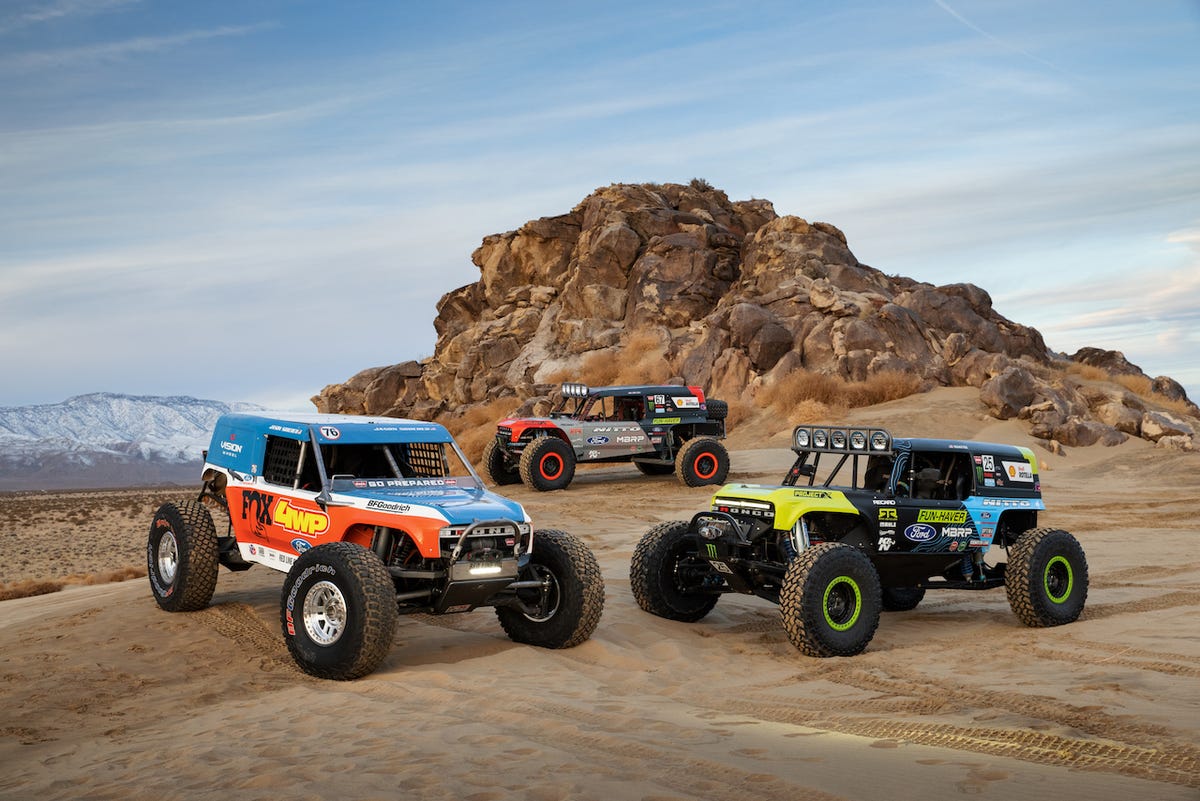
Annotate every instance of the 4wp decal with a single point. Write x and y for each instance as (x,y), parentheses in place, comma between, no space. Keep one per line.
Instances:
(263,509)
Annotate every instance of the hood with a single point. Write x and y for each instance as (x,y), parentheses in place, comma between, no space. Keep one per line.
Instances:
(459,505)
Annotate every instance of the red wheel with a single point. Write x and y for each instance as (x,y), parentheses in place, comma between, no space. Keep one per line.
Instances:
(548,463)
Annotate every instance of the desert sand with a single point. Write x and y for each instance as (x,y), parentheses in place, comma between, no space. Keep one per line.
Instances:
(102,695)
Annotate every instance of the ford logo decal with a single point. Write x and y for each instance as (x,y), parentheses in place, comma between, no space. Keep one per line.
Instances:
(597,440)
(300,546)
(920,532)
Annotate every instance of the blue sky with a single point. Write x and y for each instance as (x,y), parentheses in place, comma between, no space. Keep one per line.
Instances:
(250,200)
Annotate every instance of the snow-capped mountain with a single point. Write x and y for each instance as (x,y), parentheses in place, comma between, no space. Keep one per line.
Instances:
(106,440)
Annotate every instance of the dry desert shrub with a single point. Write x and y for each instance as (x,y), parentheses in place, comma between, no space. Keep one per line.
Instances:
(1139,385)
(641,360)
(477,424)
(1088,371)
(28,588)
(804,396)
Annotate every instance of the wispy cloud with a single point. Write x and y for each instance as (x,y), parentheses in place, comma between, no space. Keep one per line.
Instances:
(1002,42)
(117,51)
(59,10)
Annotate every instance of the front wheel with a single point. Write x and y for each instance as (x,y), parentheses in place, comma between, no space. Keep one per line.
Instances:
(498,466)
(547,464)
(1047,578)
(702,461)
(563,610)
(181,556)
(830,600)
(669,578)
(338,611)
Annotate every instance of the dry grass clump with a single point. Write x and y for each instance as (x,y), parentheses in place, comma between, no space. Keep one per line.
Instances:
(1139,385)
(27,588)
(1089,372)
(641,360)
(477,424)
(804,396)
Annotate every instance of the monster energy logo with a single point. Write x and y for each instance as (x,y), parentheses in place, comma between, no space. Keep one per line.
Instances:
(711,549)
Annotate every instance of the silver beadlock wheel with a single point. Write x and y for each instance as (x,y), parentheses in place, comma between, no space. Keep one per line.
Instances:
(324,613)
(168,556)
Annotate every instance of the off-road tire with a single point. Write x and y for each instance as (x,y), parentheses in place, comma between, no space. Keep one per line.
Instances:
(901,599)
(830,600)
(651,469)
(667,574)
(1047,578)
(702,461)
(547,463)
(717,409)
(338,611)
(575,599)
(181,556)
(495,464)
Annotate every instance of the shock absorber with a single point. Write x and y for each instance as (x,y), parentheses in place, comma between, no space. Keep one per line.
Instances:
(794,541)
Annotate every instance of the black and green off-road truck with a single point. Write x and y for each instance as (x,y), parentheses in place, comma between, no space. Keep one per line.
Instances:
(889,520)
(660,428)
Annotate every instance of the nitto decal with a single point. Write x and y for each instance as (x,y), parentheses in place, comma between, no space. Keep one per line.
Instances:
(919,532)
(301,521)
(942,516)
(597,440)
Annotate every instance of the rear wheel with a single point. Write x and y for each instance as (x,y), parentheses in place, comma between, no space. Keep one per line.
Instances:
(564,610)
(702,461)
(901,599)
(830,600)
(667,576)
(181,556)
(1047,578)
(498,466)
(338,611)
(547,464)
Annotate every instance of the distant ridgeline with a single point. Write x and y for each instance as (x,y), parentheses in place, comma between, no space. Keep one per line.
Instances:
(106,440)
(733,297)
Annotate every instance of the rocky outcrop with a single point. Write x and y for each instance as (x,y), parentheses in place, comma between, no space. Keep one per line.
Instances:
(737,296)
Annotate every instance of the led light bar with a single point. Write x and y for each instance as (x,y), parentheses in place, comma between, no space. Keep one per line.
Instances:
(570,390)
(841,440)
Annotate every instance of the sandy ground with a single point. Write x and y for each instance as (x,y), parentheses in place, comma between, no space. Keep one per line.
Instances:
(102,695)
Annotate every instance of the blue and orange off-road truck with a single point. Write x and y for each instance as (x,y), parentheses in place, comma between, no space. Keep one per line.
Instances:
(370,518)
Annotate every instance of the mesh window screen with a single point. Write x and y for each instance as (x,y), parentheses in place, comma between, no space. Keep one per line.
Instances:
(279,465)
